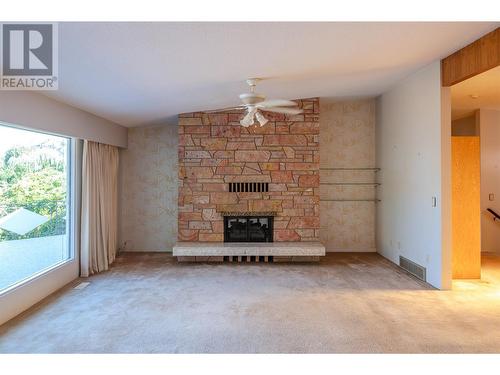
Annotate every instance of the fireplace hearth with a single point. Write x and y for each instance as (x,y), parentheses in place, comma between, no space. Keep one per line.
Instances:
(248,228)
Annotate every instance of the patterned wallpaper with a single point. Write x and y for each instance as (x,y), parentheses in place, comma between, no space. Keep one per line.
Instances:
(347,141)
(148,190)
(148,196)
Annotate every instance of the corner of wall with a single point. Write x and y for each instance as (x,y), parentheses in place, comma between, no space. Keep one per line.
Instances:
(446,242)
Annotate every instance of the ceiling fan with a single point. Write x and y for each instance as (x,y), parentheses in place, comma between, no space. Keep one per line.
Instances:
(255,104)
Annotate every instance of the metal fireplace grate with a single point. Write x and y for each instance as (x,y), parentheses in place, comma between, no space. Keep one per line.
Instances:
(248,228)
(248,187)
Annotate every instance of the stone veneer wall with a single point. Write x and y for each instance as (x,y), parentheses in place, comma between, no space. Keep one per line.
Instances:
(215,150)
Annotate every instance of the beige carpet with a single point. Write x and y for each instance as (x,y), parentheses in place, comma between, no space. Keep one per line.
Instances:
(357,303)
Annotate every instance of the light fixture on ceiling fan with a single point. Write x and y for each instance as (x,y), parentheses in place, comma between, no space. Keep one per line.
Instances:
(256,103)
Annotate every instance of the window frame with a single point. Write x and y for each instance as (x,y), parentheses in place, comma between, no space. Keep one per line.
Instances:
(71,162)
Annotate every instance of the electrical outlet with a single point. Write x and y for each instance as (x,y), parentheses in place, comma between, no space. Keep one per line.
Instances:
(491,197)
(434,201)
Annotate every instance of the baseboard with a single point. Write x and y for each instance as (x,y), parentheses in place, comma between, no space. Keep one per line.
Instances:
(145,251)
(131,251)
(352,250)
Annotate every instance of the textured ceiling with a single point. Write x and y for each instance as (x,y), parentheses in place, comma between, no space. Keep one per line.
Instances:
(143,73)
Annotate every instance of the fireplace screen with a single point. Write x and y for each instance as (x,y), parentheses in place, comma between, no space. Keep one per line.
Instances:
(248,229)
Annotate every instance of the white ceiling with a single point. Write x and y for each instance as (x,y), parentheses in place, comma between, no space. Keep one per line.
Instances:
(486,86)
(143,73)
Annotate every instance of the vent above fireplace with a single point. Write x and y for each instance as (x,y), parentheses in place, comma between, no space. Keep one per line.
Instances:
(248,187)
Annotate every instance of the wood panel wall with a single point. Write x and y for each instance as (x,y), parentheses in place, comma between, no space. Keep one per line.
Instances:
(476,58)
(466,208)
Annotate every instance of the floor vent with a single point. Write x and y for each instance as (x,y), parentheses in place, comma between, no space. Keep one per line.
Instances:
(412,267)
(82,285)
(249,259)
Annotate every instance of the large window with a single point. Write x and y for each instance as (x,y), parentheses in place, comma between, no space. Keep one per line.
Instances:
(34,204)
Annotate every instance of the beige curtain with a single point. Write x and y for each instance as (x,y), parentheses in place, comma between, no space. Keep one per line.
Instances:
(99,207)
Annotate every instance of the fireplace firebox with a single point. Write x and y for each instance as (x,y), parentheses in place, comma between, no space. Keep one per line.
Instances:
(248,228)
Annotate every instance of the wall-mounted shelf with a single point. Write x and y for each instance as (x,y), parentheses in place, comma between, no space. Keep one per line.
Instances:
(372,184)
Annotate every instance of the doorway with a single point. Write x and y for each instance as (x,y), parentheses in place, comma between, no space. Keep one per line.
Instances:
(475,170)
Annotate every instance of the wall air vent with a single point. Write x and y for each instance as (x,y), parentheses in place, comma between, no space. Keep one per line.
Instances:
(248,187)
(413,268)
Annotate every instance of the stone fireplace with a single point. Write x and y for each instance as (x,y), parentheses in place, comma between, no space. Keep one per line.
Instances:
(228,171)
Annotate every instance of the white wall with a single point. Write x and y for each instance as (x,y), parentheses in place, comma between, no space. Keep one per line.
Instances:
(409,152)
(347,140)
(466,126)
(148,189)
(36,111)
(490,178)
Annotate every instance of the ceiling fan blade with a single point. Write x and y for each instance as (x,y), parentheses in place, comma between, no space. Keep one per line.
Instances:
(276,103)
(226,109)
(287,111)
